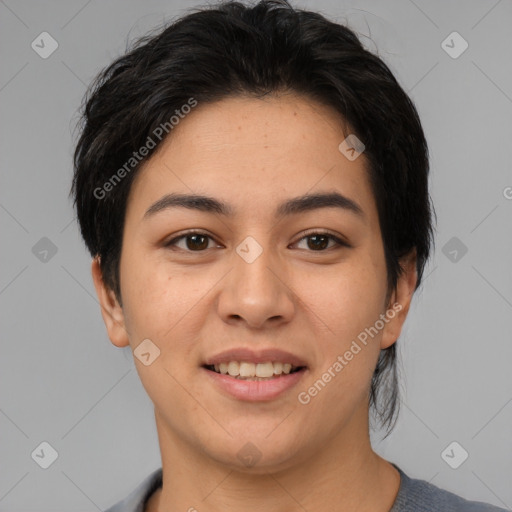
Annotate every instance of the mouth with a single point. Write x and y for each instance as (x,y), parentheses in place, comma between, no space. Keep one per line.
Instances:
(244,370)
(254,382)
(252,375)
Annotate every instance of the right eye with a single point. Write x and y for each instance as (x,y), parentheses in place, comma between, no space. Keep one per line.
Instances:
(194,241)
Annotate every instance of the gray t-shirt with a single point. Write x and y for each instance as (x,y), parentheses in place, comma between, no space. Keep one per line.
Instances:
(413,496)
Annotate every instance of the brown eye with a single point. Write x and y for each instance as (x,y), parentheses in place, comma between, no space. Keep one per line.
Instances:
(198,242)
(194,242)
(319,242)
(316,242)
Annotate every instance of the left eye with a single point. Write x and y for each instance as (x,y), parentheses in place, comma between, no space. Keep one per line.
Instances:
(198,242)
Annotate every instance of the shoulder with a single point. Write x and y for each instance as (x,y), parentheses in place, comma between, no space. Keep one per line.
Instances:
(421,496)
(137,499)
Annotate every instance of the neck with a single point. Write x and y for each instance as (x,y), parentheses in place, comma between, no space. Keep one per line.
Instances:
(346,474)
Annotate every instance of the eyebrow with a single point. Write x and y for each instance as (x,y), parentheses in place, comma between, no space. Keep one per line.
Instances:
(292,206)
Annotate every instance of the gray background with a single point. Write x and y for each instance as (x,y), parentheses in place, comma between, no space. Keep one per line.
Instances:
(64,383)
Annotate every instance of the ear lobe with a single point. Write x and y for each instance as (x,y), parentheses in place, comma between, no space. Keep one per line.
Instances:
(400,300)
(111,311)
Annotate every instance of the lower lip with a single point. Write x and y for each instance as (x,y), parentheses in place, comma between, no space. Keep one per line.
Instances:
(255,390)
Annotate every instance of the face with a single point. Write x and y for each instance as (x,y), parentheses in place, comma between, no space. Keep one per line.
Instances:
(255,276)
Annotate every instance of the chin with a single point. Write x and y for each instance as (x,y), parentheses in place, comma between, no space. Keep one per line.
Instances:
(253,460)
(257,450)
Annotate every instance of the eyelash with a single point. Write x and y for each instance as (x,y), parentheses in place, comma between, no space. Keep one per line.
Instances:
(306,234)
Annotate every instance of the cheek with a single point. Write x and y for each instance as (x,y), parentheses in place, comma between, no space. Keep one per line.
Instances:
(347,299)
(151,297)
(159,306)
(164,305)
(349,303)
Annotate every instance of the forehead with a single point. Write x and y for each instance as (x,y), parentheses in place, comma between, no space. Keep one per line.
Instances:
(252,153)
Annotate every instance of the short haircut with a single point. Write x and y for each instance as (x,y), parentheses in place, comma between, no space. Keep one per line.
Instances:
(229,50)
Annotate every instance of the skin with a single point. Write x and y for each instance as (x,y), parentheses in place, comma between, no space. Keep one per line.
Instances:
(254,154)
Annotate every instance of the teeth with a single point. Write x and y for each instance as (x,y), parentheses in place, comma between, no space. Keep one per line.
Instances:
(233,368)
(248,370)
(244,369)
(264,370)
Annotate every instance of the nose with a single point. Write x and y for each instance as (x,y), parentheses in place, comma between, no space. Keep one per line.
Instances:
(257,292)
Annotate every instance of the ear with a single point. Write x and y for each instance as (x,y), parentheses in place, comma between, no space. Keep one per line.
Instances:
(111,311)
(400,300)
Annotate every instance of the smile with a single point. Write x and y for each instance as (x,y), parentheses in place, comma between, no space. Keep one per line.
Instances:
(253,371)
(251,388)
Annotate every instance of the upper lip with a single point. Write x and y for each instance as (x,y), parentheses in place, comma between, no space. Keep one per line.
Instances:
(255,356)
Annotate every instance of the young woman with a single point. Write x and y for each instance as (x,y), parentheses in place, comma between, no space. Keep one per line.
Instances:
(253,187)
